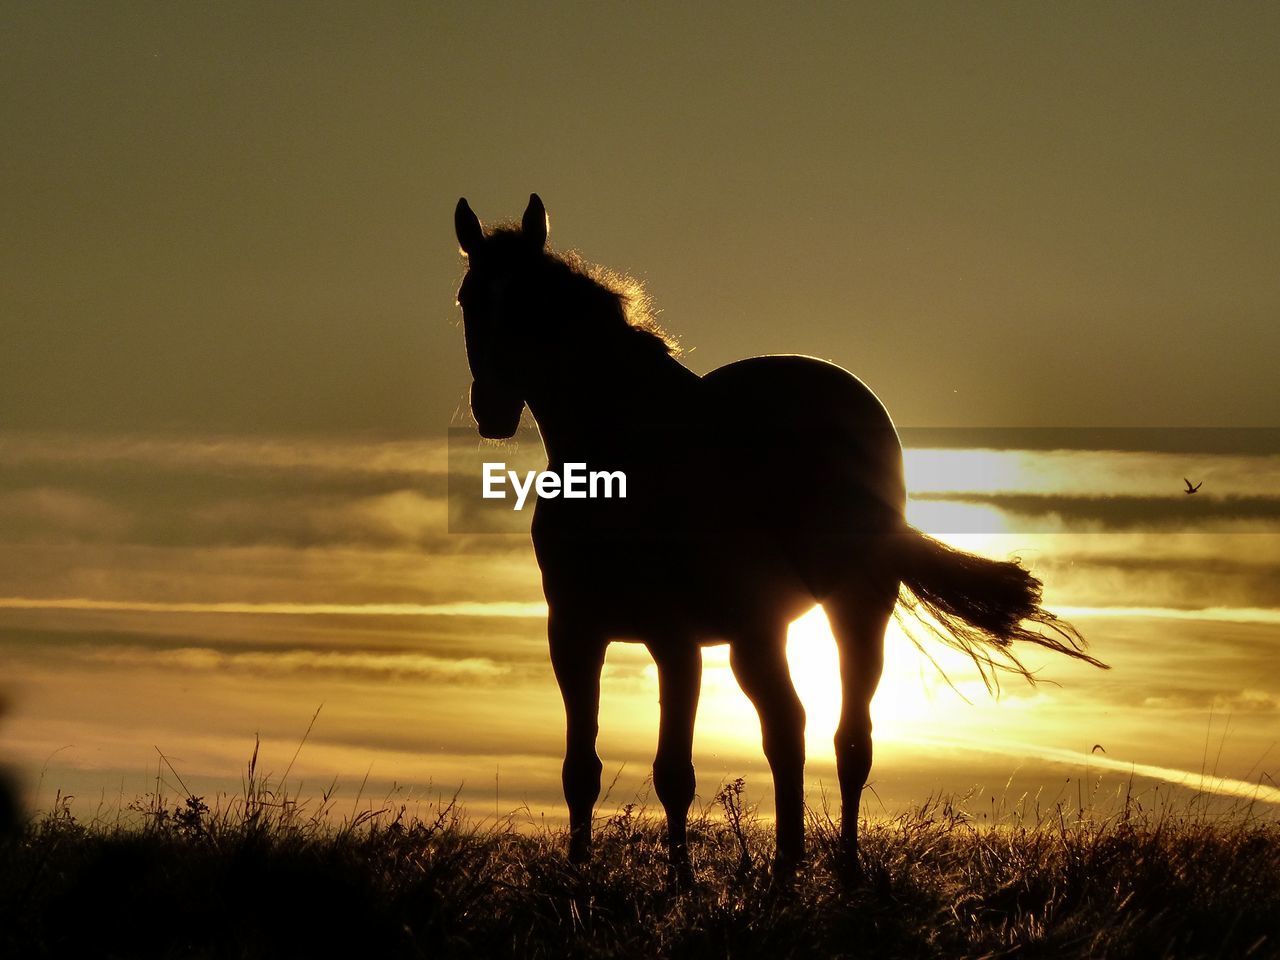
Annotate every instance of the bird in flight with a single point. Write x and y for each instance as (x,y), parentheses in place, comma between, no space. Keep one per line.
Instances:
(1190,489)
(1097,747)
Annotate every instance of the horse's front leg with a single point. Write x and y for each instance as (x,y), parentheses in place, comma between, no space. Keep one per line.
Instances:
(577,657)
(679,681)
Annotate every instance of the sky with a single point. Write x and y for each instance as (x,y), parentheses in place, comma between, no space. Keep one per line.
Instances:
(229,355)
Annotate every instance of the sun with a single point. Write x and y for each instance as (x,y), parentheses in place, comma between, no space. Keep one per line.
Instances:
(912,693)
(912,704)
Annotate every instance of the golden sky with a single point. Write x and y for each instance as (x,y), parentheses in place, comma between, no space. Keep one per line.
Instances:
(229,353)
(188,595)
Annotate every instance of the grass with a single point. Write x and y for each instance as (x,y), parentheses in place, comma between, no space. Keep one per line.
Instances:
(263,875)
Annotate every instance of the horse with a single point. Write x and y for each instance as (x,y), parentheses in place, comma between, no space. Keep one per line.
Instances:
(754,492)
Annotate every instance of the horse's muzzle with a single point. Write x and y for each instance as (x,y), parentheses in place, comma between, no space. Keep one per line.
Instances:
(496,409)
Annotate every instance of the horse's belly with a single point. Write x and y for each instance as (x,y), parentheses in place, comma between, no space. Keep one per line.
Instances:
(653,585)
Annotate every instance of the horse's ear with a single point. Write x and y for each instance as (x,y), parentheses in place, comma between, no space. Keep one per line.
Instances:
(467,225)
(534,222)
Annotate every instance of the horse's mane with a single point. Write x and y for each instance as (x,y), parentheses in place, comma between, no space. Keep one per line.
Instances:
(599,292)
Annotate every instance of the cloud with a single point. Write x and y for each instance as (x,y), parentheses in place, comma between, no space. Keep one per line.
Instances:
(1029,513)
(1088,473)
(459,609)
(41,512)
(1162,582)
(1202,614)
(1180,441)
(1184,698)
(1224,786)
(268,574)
(352,664)
(226,493)
(179,518)
(339,455)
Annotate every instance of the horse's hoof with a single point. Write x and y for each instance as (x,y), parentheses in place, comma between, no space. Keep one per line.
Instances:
(849,870)
(784,871)
(681,874)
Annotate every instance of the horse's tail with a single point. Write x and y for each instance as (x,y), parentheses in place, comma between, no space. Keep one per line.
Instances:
(980,606)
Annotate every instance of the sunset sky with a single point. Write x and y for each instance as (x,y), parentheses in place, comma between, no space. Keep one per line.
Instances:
(230,353)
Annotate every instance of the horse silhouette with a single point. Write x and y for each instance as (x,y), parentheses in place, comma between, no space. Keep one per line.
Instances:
(753,492)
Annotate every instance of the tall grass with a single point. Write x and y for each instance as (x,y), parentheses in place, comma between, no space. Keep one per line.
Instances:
(264,874)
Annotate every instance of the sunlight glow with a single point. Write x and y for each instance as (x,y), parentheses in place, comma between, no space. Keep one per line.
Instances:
(981,525)
(814,661)
(913,703)
(911,692)
(984,471)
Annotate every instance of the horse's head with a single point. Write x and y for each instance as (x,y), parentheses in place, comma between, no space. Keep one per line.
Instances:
(501,268)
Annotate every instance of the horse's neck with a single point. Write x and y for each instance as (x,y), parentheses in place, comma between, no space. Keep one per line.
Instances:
(595,406)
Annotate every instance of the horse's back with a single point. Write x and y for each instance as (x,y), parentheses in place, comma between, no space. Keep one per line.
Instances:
(791,389)
(809,419)
(821,455)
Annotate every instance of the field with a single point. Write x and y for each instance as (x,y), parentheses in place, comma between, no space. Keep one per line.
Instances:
(263,875)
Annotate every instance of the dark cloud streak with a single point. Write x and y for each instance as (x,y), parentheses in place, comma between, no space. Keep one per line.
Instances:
(1220,441)
(1039,513)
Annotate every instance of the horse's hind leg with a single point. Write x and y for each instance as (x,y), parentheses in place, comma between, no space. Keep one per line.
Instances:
(760,666)
(859,615)
(679,681)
